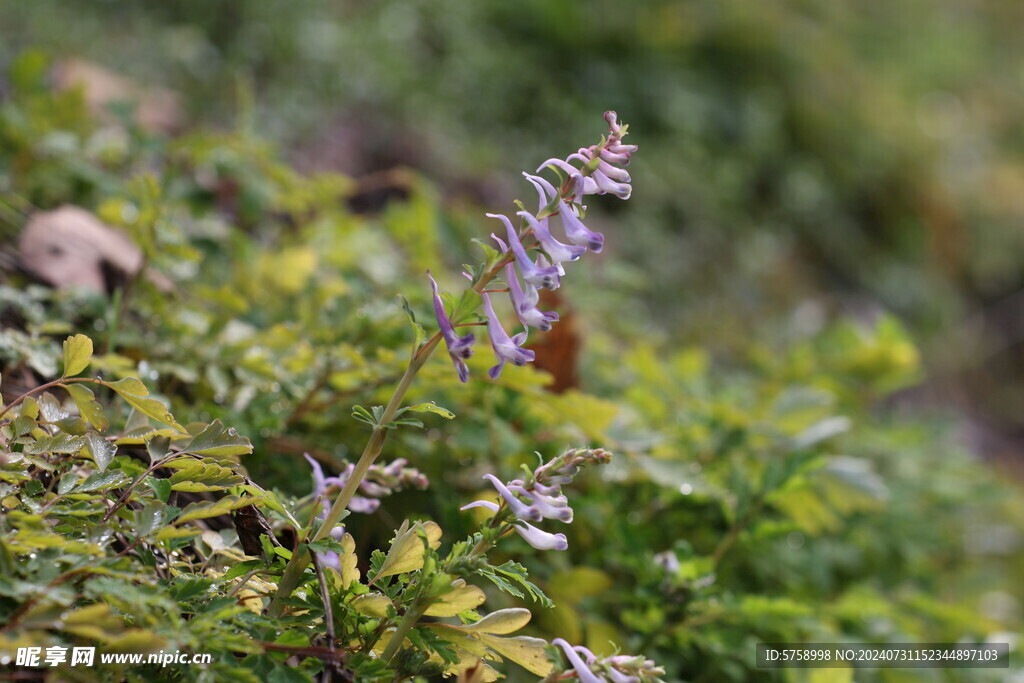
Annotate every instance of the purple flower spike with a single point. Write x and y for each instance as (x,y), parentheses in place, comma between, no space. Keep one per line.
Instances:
(505,348)
(459,348)
(536,275)
(556,250)
(525,303)
(583,672)
(541,540)
(519,508)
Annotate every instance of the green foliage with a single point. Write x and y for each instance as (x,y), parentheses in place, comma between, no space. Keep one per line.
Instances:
(766,493)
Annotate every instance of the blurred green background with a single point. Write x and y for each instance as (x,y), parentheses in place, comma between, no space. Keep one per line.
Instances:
(800,159)
(809,174)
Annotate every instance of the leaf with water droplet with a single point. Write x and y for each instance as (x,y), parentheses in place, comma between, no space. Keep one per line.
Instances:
(101,450)
(218,441)
(88,406)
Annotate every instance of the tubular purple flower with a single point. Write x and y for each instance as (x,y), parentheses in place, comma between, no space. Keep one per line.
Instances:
(459,348)
(360,504)
(319,483)
(551,490)
(616,157)
(541,540)
(557,163)
(606,185)
(505,348)
(493,507)
(550,508)
(557,251)
(574,228)
(583,671)
(562,512)
(519,508)
(536,275)
(525,303)
(617,174)
(363,506)
(372,488)
(617,676)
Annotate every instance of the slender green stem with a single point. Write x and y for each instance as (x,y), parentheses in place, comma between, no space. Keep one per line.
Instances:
(300,560)
(404,626)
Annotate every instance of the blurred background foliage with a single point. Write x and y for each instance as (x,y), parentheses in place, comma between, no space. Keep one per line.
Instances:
(803,331)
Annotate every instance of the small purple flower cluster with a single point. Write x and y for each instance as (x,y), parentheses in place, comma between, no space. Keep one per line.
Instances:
(379,482)
(616,669)
(600,172)
(540,497)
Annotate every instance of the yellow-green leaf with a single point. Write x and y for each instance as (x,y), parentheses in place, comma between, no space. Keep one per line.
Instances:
(88,407)
(432,408)
(462,597)
(217,440)
(372,605)
(407,549)
(457,637)
(77,353)
(526,651)
(201,476)
(95,622)
(135,640)
(129,385)
(135,392)
(501,622)
(223,506)
(348,560)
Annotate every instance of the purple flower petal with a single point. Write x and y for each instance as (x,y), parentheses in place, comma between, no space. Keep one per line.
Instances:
(363,506)
(608,186)
(575,230)
(545,278)
(490,505)
(583,671)
(505,348)
(550,508)
(525,303)
(556,250)
(541,540)
(459,348)
(319,483)
(518,507)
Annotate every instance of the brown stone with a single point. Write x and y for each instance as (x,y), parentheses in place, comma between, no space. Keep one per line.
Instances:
(69,247)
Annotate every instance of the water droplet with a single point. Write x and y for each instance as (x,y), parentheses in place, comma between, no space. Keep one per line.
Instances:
(686,489)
